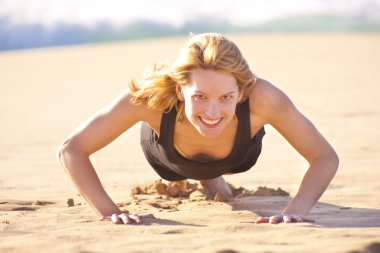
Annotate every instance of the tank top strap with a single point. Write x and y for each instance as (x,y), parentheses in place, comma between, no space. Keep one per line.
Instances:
(243,115)
(167,127)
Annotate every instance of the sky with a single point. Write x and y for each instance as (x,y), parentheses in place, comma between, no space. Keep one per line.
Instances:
(175,12)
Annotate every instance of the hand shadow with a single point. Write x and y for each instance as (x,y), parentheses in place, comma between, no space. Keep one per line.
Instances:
(149,219)
(324,214)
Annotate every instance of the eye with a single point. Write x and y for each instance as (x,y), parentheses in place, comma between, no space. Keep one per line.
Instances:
(227,97)
(199,97)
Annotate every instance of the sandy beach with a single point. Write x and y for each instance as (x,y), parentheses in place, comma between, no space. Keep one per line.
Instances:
(46,93)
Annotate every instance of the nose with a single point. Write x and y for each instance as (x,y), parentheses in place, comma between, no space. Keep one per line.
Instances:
(213,110)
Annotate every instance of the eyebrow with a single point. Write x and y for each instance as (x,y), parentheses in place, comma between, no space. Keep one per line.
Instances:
(228,93)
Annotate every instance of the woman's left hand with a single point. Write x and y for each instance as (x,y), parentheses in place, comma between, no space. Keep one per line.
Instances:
(285,218)
(123,218)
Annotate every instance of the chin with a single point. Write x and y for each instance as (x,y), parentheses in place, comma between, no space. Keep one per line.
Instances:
(209,134)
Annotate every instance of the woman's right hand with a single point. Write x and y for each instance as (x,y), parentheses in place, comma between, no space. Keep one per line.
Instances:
(123,218)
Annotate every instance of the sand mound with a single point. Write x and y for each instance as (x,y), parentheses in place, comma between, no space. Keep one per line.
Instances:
(195,191)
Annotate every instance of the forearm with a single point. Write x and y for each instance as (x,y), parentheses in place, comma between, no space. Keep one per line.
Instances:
(314,183)
(78,166)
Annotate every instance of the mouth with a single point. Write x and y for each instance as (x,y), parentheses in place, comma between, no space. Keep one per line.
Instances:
(210,122)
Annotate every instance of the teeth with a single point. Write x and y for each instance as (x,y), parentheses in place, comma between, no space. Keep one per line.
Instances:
(210,122)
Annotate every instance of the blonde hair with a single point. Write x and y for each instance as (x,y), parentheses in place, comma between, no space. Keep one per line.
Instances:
(157,89)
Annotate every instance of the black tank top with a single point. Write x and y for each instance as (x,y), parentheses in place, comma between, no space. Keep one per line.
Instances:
(171,165)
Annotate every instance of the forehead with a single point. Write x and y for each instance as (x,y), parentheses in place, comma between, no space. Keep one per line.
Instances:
(207,80)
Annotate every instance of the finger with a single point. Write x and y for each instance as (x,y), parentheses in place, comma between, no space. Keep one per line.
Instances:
(275,219)
(124,217)
(116,219)
(287,218)
(262,220)
(295,218)
(135,218)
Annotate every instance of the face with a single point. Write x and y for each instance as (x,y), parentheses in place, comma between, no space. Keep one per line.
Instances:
(210,100)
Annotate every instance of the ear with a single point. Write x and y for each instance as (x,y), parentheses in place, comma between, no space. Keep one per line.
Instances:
(178,91)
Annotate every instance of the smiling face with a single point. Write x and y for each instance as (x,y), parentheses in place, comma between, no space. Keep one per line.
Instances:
(210,100)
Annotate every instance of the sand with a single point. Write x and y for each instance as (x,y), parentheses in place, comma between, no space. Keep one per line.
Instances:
(45,93)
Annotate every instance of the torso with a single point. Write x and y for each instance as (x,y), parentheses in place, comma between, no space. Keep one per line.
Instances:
(196,146)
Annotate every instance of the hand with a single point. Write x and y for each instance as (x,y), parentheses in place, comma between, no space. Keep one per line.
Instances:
(286,218)
(123,218)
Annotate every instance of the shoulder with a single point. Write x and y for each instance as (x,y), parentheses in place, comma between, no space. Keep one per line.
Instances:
(268,102)
(124,109)
(272,106)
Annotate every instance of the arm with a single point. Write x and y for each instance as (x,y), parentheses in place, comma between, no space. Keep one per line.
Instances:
(94,134)
(278,110)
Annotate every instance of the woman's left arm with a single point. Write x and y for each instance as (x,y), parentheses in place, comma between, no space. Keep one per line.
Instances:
(279,111)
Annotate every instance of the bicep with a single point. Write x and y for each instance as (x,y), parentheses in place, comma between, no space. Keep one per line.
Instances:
(106,125)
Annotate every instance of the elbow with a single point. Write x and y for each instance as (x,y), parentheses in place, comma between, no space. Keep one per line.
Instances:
(332,160)
(65,150)
(66,154)
(335,160)
(61,150)
(60,154)
(329,161)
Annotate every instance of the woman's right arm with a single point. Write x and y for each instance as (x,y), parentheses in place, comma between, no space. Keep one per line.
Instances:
(92,135)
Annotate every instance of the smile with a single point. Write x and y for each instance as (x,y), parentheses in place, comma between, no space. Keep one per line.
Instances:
(210,122)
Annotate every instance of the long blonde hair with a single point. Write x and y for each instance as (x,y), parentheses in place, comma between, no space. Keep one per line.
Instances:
(157,89)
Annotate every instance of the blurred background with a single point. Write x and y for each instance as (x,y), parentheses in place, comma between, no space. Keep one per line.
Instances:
(45,23)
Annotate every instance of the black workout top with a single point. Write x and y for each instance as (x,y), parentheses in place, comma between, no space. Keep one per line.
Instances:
(171,165)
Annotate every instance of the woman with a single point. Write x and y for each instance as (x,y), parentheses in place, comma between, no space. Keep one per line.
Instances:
(203,116)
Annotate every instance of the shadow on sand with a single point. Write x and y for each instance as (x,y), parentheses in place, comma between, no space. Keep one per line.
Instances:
(324,214)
